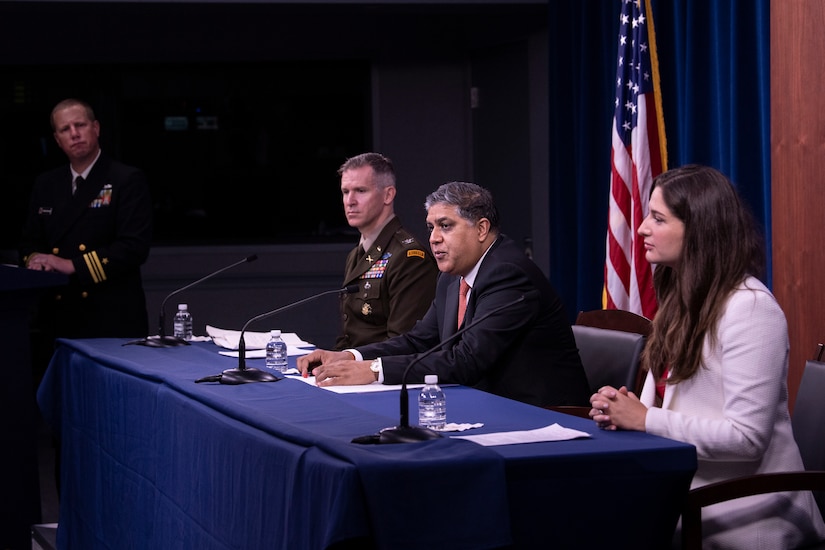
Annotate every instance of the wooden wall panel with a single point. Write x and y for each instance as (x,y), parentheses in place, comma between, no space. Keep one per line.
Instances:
(798,173)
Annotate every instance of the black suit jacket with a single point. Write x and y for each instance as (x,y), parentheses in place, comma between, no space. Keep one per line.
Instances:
(105,229)
(525,352)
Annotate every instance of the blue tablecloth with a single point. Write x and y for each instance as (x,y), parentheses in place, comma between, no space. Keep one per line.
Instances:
(152,460)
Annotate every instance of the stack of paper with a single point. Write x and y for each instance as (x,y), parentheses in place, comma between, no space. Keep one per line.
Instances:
(229,339)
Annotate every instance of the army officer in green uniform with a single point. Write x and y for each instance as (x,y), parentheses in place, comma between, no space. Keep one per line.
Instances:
(395,273)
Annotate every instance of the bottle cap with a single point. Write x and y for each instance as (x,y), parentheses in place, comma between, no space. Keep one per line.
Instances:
(275,332)
(431,379)
(182,307)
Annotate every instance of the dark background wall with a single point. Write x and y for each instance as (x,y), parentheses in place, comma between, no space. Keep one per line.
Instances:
(448,90)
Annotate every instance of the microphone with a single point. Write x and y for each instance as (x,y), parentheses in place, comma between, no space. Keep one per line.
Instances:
(244,375)
(404,433)
(163,341)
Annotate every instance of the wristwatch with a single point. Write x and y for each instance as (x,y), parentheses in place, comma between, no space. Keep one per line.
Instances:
(376,365)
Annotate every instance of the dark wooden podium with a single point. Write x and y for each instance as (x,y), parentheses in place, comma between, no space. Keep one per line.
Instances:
(19,479)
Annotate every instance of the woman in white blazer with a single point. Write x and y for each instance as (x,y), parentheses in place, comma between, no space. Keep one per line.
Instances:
(717,360)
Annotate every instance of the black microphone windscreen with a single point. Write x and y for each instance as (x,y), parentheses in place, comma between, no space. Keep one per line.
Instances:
(162,339)
(350,289)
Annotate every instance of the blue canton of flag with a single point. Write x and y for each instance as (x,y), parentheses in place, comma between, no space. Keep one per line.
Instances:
(633,73)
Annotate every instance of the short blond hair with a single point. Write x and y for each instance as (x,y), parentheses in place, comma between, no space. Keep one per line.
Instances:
(71,102)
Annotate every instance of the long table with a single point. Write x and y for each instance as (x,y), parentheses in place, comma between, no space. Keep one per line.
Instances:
(150,459)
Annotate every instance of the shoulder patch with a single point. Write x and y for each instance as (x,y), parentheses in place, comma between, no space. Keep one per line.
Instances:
(416,253)
(405,238)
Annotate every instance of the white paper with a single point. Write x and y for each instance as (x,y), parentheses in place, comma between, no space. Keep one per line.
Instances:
(229,339)
(291,351)
(365,388)
(554,432)
(462,427)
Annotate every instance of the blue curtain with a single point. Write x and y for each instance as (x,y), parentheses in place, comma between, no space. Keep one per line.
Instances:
(715,77)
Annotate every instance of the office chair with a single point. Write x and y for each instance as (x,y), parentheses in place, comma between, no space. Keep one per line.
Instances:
(615,319)
(624,321)
(809,412)
(610,343)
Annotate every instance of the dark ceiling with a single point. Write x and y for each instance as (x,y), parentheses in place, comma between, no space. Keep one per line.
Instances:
(107,32)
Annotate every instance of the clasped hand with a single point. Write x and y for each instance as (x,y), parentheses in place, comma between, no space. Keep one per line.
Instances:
(335,368)
(50,262)
(614,409)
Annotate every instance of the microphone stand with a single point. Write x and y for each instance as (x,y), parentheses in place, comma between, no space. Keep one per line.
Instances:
(404,433)
(243,374)
(163,341)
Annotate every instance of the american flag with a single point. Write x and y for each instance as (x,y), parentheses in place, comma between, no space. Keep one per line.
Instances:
(638,154)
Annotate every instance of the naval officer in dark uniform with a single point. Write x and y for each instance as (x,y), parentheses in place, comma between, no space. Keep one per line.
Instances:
(396,274)
(91,220)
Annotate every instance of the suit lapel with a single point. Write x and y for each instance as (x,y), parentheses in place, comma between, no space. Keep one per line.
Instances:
(351,273)
(358,264)
(470,310)
(71,209)
(450,325)
(78,204)
(90,189)
(471,300)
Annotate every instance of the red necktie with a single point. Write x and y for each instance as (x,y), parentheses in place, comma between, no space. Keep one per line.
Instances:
(463,289)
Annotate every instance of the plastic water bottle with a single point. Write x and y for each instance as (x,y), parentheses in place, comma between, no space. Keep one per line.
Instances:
(183,322)
(276,354)
(432,404)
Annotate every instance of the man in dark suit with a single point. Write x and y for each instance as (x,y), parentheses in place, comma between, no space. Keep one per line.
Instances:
(91,220)
(395,274)
(525,352)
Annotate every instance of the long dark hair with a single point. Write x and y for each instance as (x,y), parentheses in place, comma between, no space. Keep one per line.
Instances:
(720,248)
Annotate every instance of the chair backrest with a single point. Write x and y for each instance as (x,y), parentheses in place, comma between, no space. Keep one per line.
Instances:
(808,415)
(610,357)
(607,369)
(615,319)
